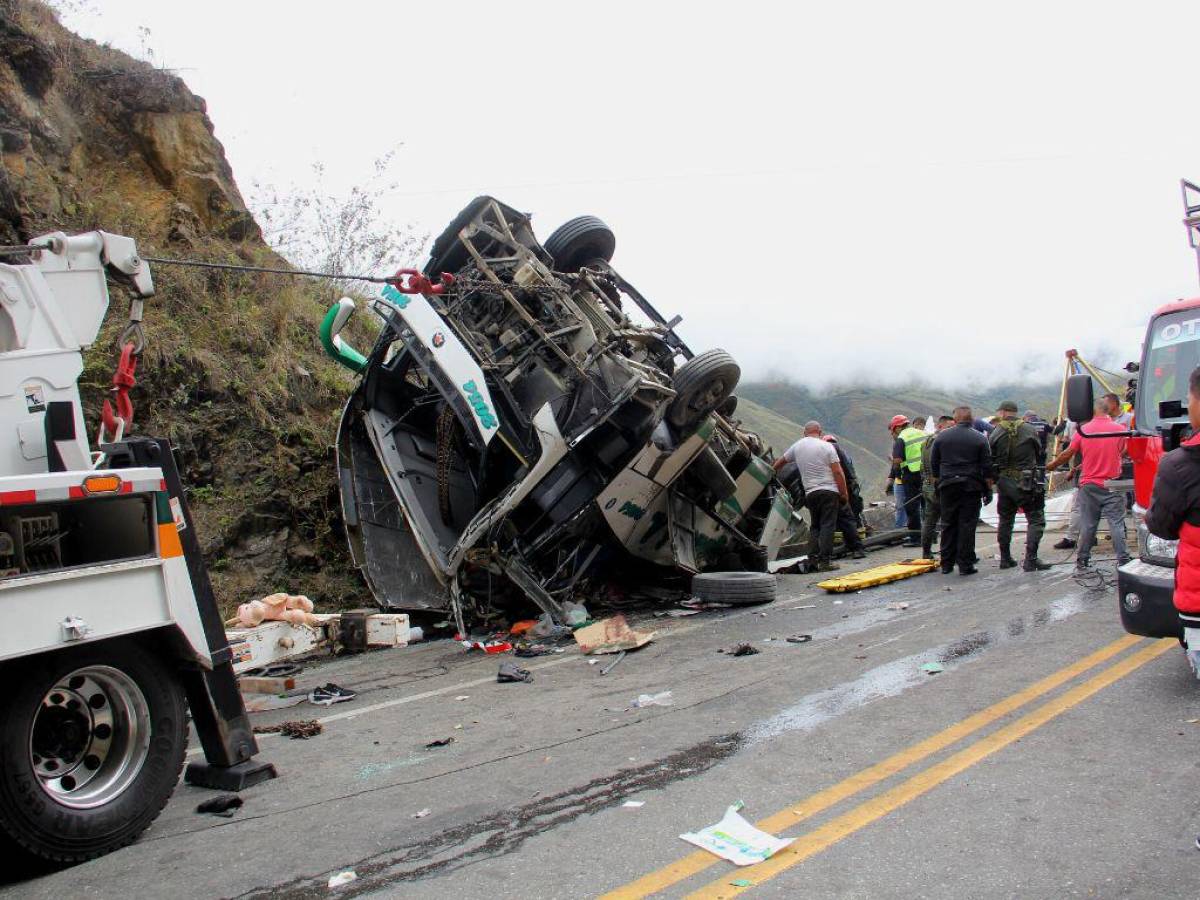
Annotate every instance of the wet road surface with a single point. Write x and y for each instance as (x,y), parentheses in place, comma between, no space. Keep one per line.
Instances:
(1051,755)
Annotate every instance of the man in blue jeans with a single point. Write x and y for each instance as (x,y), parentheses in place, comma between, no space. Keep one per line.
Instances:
(825,489)
(1101,463)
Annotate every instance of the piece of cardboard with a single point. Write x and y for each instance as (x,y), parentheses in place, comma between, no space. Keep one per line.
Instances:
(611,636)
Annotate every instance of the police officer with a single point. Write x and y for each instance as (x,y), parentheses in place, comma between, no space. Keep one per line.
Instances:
(906,465)
(1019,458)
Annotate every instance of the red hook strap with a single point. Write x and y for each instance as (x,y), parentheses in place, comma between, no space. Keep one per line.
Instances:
(410,281)
(123,380)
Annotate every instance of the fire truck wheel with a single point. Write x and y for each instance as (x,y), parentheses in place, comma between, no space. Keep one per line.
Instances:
(91,744)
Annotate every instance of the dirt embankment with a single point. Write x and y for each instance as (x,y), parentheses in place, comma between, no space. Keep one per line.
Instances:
(233,374)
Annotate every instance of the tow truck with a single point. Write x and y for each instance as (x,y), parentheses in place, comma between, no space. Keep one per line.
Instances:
(1171,350)
(111,632)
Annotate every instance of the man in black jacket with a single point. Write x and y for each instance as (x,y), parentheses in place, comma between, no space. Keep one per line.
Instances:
(962,466)
(849,514)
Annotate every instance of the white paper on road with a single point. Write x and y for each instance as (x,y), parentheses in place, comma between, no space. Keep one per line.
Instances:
(735,839)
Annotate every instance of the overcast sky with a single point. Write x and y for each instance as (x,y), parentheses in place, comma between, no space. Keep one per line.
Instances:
(940,190)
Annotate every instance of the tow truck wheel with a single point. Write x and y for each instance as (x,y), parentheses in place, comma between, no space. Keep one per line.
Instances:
(584,241)
(702,384)
(91,744)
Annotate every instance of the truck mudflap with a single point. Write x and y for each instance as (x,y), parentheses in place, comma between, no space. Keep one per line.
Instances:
(1145,601)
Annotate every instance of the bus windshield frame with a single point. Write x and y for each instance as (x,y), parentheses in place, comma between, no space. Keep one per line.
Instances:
(1172,351)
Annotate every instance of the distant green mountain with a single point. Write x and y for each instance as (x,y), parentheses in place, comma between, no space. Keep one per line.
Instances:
(859,415)
(779,432)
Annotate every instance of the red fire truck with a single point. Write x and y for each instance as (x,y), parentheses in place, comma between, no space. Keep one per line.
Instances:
(1170,352)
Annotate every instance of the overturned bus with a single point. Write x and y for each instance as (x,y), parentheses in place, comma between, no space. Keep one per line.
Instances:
(529,429)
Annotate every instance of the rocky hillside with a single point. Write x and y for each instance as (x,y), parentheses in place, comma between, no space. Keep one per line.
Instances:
(232,373)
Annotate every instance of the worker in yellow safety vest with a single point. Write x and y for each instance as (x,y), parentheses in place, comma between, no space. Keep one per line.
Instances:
(906,466)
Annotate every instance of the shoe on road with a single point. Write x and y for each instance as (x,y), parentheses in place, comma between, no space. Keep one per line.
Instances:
(969,570)
(1035,565)
(1007,562)
(1065,544)
(827,567)
(859,554)
(329,694)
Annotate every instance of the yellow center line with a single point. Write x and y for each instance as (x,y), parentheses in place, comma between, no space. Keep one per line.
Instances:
(700,860)
(869,811)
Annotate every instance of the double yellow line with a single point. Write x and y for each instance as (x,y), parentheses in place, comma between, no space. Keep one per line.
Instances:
(869,811)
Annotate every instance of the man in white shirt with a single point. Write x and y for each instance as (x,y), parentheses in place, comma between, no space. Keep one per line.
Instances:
(824,490)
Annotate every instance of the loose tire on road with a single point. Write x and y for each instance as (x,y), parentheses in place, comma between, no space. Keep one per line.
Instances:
(702,384)
(735,588)
(581,242)
(92,741)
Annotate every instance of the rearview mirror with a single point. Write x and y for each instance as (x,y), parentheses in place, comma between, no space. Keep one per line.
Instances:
(1080,401)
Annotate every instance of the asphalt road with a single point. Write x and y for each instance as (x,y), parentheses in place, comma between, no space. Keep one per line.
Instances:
(1052,757)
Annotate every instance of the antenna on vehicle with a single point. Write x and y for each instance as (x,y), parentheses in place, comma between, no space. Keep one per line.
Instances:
(1191,215)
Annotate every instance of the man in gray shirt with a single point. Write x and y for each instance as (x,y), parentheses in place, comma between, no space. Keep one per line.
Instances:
(824,490)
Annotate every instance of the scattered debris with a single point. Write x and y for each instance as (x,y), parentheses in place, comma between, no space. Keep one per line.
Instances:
(677,613)
(526,650)
(897,606)
(612,665)
(611,636)
(742,649)
(735,839)
(546,628)
(276,670)
(296,610)
(255,684)
(329,694)
(663,698)
(793,565)
(509,672)
(806,606)
(523,626)
(742,882)
(222,805)
(463,697)
(932,668)
(633,804)
(444,742)
(799,639)
(341,878)
(265,702)
(297,730)
(420,814)
(491,646)
(575,614)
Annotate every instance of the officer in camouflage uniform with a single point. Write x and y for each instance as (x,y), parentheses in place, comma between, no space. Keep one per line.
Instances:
(1019,460)
(933,506)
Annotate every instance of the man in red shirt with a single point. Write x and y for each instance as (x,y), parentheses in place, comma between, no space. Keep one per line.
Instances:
(1101,462)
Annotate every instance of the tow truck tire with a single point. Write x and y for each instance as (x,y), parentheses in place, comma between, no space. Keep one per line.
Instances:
(92,741)
(702,384)
(734,588)
(581,242)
